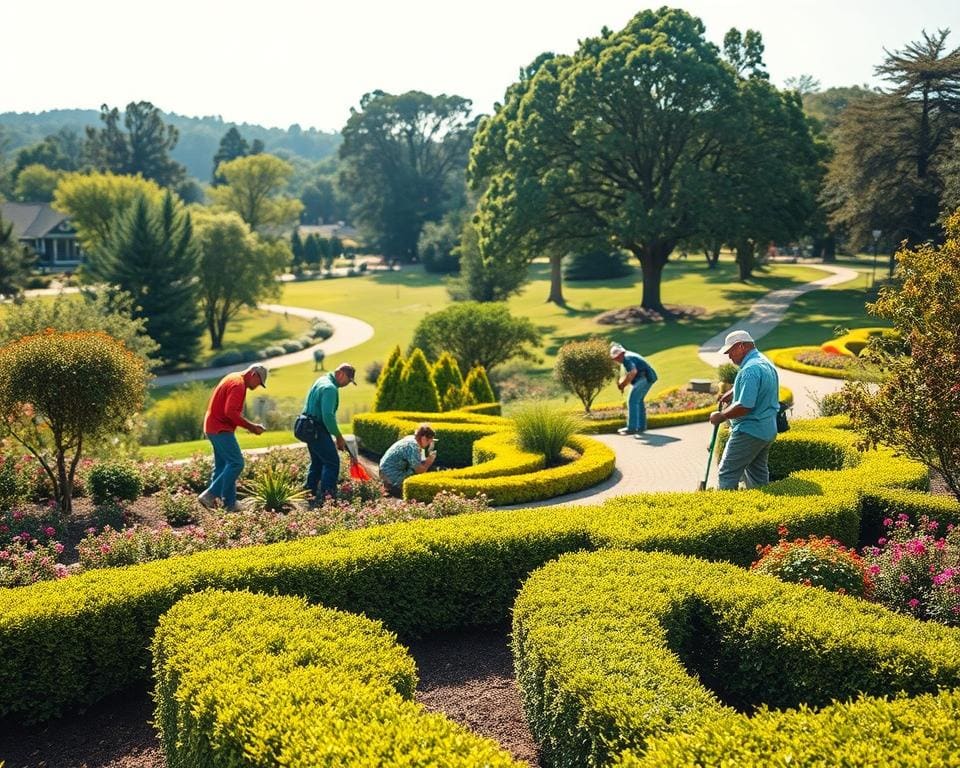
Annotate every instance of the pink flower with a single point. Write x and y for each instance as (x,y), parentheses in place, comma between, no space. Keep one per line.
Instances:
(913,603)
(104,549)
(50,530)
(887,522)
(904,579)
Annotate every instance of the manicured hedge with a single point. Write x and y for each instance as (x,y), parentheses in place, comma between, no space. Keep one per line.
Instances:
(490,462)
(510,475)
(660,420)
(853,342)
(616,649)
(251,680)
(72,642)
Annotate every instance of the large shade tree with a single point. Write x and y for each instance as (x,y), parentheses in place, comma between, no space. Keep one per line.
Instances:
(404,157)
(616,146)
(254,188)
(887,171)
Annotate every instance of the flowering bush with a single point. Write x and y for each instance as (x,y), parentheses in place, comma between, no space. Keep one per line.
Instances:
(815,562)
(137,544)
(25,560)
(179,507)
(916,571)
(832,360)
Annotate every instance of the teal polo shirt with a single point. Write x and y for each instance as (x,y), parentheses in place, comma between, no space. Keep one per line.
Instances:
(757,387)
(322,402)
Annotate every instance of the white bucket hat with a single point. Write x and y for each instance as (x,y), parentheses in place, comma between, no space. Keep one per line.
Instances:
(616,350)
(734,337)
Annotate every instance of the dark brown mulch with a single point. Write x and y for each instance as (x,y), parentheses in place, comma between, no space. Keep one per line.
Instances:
(466,676)
(637,315)
(938,485)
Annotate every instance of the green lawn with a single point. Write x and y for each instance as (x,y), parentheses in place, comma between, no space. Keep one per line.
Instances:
(394,302)
(253,329)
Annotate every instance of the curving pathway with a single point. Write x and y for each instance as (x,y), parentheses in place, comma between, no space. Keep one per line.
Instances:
(348,332)
(675,458)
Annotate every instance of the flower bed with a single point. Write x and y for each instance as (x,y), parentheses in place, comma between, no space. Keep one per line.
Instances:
(835,359)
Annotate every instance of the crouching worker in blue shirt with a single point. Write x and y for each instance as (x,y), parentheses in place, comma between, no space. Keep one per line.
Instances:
(751,407)
(404,458)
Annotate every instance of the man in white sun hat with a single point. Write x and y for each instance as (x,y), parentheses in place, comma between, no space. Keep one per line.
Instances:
(639,376)
(751,407)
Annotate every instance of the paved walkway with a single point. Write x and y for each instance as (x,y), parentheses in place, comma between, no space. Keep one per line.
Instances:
(348,332)
(675,458)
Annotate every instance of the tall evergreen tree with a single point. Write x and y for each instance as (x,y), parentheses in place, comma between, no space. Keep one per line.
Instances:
(296,248)
(150,254)
(232,145)
(15,262)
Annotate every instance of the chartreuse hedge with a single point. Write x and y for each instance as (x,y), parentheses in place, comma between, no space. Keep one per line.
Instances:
(660,420)
(848,345)
(616,650)
(245,679)
(490,461)
(72,642)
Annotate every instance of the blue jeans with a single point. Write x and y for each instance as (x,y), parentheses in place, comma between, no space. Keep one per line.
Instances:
(636,410)
(324,466)
(744,453)
(227,466)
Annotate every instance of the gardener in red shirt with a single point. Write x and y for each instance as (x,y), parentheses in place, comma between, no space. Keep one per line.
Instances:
(224,415)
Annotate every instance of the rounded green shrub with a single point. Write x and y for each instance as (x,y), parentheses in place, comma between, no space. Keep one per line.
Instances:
(114,480)
(476,387)
(417,391)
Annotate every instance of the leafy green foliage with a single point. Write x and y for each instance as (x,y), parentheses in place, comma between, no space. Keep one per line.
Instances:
(449,382)
(476,387)
(602,264)
(403,159)
(916,406)
(476,334)
(417,391)
(60,391)
(15,262)
(814,562)
(388,384)
(274,490)
(727,372)
(253,189)
(584,368)
(114,480)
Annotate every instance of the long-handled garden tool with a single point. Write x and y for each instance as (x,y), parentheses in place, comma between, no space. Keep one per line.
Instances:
(713,441)
(357,472)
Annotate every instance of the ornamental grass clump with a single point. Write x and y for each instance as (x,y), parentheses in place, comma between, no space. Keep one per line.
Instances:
(274,490)
(544,429)
(917,571)
(815,562)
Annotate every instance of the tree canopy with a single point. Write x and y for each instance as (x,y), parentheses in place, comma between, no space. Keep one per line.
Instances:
(888,169)
(624,144)
(403,160)
(253,188)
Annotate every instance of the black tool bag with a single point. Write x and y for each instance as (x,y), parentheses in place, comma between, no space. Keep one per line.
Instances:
(305,428)
(782,424)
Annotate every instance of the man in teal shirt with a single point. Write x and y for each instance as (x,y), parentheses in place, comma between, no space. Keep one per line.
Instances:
(321,405)
(751,407)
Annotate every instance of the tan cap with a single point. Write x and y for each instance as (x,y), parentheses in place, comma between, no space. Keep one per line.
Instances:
(261,371)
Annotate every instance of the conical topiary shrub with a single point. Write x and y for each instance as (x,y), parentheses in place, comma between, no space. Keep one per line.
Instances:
(447,378)
(388,385)
(417,390)
(476,388)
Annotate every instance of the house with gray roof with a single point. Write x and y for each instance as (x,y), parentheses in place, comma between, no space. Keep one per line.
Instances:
(47,232)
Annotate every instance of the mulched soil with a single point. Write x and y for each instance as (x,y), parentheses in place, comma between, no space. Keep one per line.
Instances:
(637,315)
(466,676)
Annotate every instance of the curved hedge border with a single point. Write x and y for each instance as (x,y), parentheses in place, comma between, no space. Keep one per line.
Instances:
(851,344)
(510,475)
(848,345)
(245,679)
(615,649)
(72,642)
(490,462)
(660,420)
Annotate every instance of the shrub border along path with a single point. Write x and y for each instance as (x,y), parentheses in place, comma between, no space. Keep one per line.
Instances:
(73,642)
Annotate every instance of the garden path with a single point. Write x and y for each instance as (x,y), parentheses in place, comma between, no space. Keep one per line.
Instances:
(348,332)
(675,458)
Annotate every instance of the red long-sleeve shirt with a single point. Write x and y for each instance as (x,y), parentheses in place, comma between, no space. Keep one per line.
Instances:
(225,411)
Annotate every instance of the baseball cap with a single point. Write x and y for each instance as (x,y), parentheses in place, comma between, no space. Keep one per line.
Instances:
(734,337)
(349,370)
(616,349)
(261,371)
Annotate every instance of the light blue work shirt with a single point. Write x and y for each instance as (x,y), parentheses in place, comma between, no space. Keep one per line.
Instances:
(400,460)
(757,387)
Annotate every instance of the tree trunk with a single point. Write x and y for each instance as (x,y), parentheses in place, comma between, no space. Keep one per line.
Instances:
(556,281)
(712,252)
(745,259)
(653,256)
(64,491)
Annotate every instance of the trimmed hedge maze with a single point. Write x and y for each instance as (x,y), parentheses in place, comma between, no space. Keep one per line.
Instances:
(70,643)
(489,462)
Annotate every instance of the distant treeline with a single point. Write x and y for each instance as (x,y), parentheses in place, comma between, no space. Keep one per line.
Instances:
(198,142)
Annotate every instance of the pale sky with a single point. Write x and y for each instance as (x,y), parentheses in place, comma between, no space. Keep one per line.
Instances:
(278,62)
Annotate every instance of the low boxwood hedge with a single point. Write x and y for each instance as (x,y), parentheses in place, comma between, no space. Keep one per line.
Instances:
(616,649)
(244,679)
(72,642)
(659,420)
